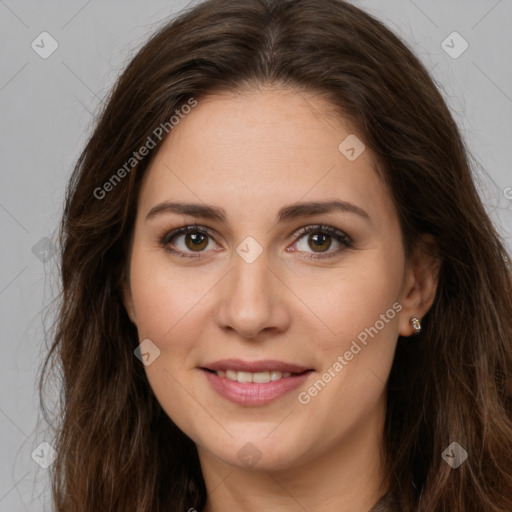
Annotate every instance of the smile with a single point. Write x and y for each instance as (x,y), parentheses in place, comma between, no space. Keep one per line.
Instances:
(253,389)
(258,377)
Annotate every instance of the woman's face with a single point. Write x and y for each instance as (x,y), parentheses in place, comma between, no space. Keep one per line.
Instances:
(248,284)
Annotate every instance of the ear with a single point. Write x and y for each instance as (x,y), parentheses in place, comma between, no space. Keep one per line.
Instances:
(419,284)
(127,298)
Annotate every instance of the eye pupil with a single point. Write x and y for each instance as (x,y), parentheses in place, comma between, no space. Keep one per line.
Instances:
(318,239)
(197,239)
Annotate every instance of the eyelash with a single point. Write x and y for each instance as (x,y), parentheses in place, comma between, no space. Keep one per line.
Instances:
(339,236)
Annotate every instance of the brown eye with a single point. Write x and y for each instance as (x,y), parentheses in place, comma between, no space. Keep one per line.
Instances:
(319,242)
(196,241)
(319,239)
(185,241)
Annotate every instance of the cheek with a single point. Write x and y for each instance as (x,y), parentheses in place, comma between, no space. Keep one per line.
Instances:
(165,301)
(167,304)
(360,316)
(353,298)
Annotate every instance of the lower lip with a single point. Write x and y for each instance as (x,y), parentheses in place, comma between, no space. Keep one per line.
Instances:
(254,394)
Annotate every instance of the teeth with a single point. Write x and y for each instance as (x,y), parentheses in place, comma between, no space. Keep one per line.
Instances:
(275,375)
(258,377)
(231,375)
(244,377)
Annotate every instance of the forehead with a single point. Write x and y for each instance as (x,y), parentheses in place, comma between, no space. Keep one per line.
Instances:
(263,148)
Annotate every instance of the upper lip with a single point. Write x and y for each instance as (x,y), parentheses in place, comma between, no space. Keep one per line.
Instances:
(255,366)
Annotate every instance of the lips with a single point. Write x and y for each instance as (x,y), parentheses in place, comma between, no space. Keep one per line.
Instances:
(254,383)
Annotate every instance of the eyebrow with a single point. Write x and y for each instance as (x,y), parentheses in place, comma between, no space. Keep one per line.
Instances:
(288,212)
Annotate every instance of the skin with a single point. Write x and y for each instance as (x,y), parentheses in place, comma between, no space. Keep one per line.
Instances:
(252,153)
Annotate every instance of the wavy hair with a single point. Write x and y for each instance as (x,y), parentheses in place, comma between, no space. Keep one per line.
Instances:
(117,449)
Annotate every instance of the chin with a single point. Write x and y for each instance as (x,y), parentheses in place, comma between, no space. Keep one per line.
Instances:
(260,454)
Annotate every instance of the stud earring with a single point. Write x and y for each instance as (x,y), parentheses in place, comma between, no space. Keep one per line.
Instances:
(416,324)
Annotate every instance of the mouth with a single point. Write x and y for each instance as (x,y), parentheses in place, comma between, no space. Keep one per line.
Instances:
(254,383)
(257,377)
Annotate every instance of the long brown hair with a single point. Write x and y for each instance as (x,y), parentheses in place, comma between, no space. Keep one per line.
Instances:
(117,449)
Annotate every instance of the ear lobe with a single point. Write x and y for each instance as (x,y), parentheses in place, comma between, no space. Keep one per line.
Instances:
(420,283)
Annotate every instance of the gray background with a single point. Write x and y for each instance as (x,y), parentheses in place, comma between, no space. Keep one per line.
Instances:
(47,107)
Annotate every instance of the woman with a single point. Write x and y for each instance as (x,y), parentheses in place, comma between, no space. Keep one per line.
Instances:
(213,356)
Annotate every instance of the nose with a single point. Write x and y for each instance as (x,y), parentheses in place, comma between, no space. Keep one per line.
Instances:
(252,299)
